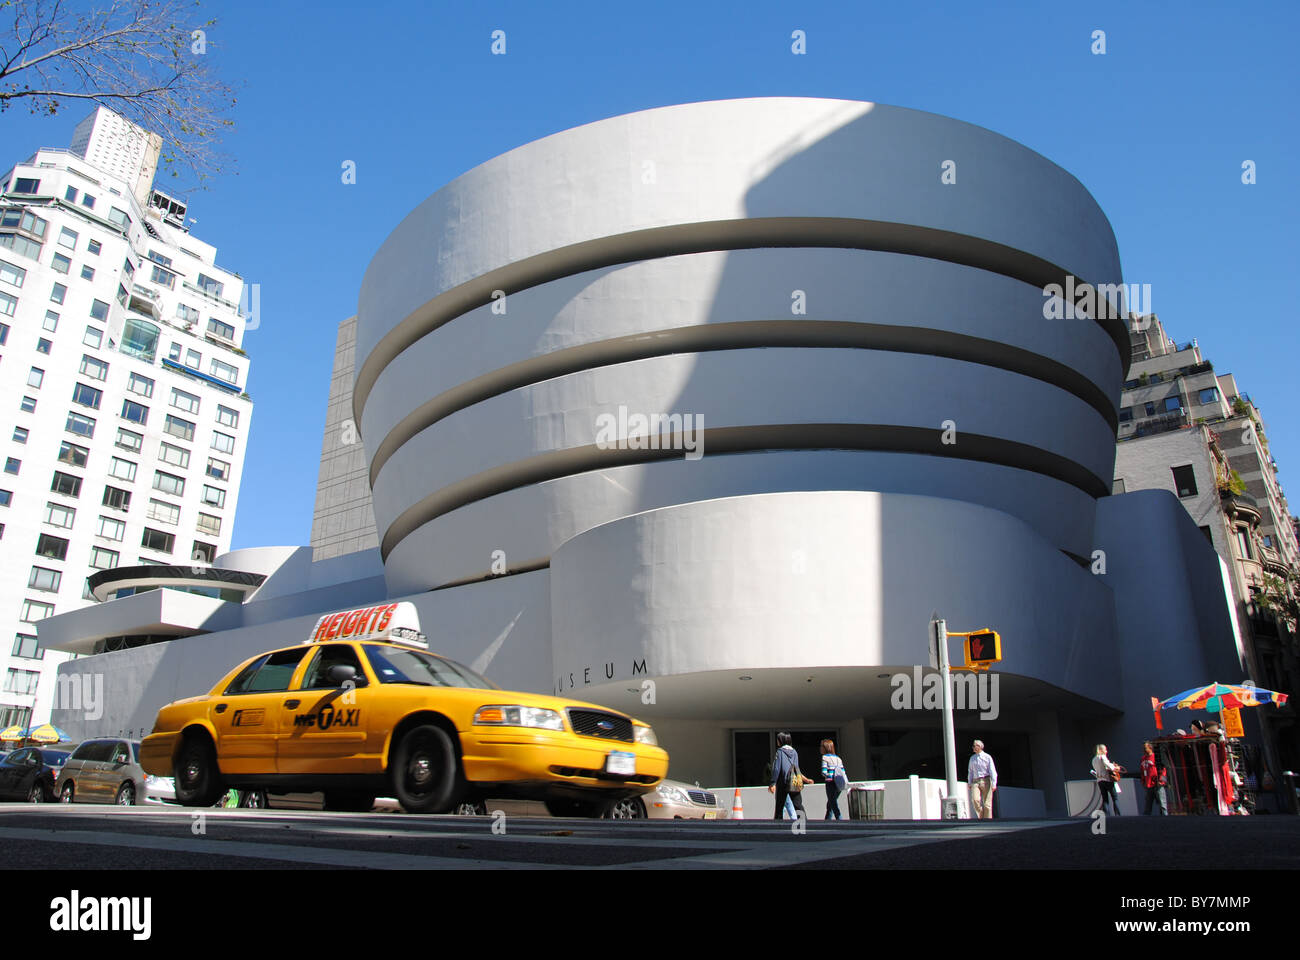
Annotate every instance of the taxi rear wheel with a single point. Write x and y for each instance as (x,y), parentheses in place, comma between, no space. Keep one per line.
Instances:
(197,782)
(423,770)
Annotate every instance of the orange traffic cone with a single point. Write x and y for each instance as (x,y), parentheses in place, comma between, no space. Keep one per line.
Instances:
(737,806)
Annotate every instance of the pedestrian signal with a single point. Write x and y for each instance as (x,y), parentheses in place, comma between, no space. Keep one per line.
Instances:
(983,648)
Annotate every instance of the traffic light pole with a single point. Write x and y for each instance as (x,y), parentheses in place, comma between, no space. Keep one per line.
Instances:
(954,804)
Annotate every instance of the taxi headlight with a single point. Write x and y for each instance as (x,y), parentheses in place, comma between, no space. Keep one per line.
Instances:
(644,734)
(502,715)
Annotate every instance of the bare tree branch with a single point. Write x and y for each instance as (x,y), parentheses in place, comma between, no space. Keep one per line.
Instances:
(148,60)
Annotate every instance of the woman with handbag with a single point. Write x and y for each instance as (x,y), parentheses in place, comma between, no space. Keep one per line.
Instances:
(837,780)
(1107,774)
(787,781)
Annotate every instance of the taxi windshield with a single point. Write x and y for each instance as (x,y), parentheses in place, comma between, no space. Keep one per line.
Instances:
(398,665)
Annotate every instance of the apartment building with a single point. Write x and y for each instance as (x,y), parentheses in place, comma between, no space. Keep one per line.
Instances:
(1189,430)
(122,386)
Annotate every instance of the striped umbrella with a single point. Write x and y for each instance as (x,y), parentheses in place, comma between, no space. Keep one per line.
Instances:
(16,732)
(1213,697)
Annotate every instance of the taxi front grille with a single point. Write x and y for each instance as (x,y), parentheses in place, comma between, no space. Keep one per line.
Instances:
(598,723)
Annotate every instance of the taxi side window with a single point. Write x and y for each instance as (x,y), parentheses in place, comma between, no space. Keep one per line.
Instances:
(275,674)
(240,683)
(328,656)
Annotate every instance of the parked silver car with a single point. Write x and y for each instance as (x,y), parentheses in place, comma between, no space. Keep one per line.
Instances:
(108,770)
(671,800)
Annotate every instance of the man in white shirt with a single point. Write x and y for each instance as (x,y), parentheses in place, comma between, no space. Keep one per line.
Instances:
(982,778)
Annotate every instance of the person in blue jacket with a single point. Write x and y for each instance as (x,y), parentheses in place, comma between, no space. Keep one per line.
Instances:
(784,764)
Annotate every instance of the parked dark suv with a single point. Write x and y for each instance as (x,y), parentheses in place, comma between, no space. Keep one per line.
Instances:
(29,774)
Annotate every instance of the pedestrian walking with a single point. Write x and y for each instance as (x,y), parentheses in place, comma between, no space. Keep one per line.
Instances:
(1154,778)
(982,780)
(1107,774)
(837,779)
(787,781)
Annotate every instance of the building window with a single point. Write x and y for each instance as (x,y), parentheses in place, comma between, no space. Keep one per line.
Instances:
(22,681)
(93,337)
(117,499)
(187,314)
(34,610)
(70,194)
(1243,544)
(140,339)
(23,246)
(6,497)
(1208,535)
(35,377)
(135,412)
(94,368)
(51,547)
(204,552)
(57,515)
(66,484)
(20,434)
(163,512)
(129,439)
(93,247)
(111,529)
(27,647)
(88,201)
(223,442)
(73,454)
(27,185)
(169,483)
(210,286)
(98,310)
(61,264)
(68,237)
(102,558)
(174,352)
(185,401)
(193,359)
(1185,481)
(179,428)
(214,496)
(157,257)
(157,540)
(87,273)
(218,469)
(1173,403)
(51,321)
(223,371)
(29,405)
(209,524)
(44,579)
(8,304)
(140,385)
(87,396)
(43,346)
(220,329)
(80,425)
(13,465)
(15,275)
(164,278)
(4,333)
(176,456)
(227,417)
(122,469)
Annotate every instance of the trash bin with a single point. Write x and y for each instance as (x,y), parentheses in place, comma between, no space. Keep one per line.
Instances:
(867,801)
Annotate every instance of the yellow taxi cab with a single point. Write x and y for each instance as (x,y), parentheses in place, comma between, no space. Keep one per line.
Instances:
(361,709)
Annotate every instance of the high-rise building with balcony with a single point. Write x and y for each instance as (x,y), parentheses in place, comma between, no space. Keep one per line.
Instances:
(125,415)
(1185,429)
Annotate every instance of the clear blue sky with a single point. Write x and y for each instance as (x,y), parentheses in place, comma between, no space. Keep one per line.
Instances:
(1156,129)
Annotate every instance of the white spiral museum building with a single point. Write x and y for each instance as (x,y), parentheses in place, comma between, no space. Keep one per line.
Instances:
(833,312)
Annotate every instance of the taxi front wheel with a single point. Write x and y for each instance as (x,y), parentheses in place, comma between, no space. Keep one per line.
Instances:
(197,781)
(423,770)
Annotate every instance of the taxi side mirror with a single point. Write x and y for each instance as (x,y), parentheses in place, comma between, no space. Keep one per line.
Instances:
(341,673)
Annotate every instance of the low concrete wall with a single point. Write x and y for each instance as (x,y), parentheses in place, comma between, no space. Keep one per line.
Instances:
(910,799)
(1084,796)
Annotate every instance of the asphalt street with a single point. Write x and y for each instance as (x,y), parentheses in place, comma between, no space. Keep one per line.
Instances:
(91,837)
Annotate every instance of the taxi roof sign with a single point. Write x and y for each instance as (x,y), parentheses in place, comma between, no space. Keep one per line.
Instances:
(391,622)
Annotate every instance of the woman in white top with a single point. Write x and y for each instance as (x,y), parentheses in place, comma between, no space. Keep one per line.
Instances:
(1106,773)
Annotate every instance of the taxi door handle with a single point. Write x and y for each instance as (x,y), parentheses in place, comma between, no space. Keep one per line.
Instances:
(290,704)
(221,708)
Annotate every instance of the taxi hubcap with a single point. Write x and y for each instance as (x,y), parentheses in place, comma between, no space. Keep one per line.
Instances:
(421,771)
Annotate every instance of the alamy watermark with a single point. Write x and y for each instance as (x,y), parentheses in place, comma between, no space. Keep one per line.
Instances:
(652,431)
(1105,301)
(80,691)
(969,691)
